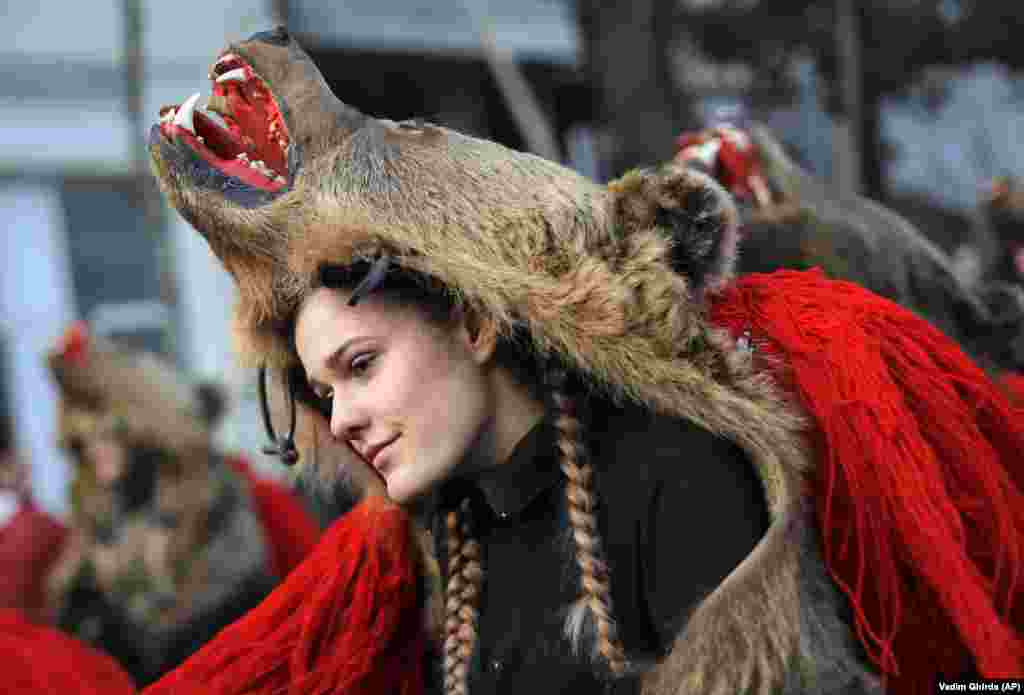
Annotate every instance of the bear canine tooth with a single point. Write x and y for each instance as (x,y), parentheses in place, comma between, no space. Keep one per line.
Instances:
(185,117)
(236,75)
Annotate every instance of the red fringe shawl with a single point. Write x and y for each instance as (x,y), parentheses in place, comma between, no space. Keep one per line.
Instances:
(347,621)
(1013,384)
(920,474)
(41,660)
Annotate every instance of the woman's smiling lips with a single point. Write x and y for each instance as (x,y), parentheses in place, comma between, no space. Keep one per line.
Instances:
(372,453)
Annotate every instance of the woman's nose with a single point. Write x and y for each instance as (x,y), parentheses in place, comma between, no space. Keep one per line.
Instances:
(347,420)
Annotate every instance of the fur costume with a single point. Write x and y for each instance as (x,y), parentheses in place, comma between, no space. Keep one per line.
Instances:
(629,287)
(1002,237)
(1000,240)
(185,540)
(792,220)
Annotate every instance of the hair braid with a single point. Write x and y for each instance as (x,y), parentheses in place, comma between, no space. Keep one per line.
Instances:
(594,606)
(462,593)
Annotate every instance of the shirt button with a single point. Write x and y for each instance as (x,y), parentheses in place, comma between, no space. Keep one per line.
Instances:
(497,666)
(504,516)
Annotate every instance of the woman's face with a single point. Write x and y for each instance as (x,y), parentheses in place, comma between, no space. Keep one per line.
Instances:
(411,396)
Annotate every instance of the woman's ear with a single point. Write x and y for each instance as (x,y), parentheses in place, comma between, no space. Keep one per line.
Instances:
(479,333)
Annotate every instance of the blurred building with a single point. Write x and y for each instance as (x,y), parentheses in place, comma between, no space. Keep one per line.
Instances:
(403,59)
(74,238)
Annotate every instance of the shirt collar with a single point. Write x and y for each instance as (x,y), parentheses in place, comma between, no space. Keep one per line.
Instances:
(531,469)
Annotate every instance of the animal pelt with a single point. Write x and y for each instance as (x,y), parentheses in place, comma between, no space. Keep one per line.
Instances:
(106,388)
(775,625)
(1001,232)
(149,593)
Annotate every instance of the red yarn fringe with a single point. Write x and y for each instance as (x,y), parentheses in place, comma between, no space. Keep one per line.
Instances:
(290,530)
(1013,384)
(43,661)
(347,621)
(920,480)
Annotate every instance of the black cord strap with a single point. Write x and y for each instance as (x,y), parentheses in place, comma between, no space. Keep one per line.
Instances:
(282,447)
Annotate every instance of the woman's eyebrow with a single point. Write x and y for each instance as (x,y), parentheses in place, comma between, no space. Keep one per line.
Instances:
(334,357)
(329,363)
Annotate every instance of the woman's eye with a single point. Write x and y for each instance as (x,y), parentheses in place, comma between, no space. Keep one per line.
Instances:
(361,363)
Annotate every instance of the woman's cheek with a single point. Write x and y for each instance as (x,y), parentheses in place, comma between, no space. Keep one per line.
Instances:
(419,469)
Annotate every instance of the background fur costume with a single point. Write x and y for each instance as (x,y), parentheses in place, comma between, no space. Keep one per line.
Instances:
(628,286)
(792,220)
(1002,233)
(186,540)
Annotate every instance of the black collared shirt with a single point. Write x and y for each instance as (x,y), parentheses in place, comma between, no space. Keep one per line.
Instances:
(679,508)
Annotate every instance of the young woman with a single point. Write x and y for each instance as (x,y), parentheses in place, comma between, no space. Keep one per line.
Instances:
(642,474)
(514,464)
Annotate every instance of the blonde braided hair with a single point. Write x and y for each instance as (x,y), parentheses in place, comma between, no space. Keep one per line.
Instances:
(462,595)
(465,572)
(594,606)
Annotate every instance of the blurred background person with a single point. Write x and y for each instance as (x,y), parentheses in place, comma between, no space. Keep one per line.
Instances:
(173,539)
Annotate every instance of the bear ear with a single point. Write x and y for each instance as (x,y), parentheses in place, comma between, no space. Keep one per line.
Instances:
(690,207)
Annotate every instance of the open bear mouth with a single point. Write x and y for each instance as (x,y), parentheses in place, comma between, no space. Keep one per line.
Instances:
(240,132)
